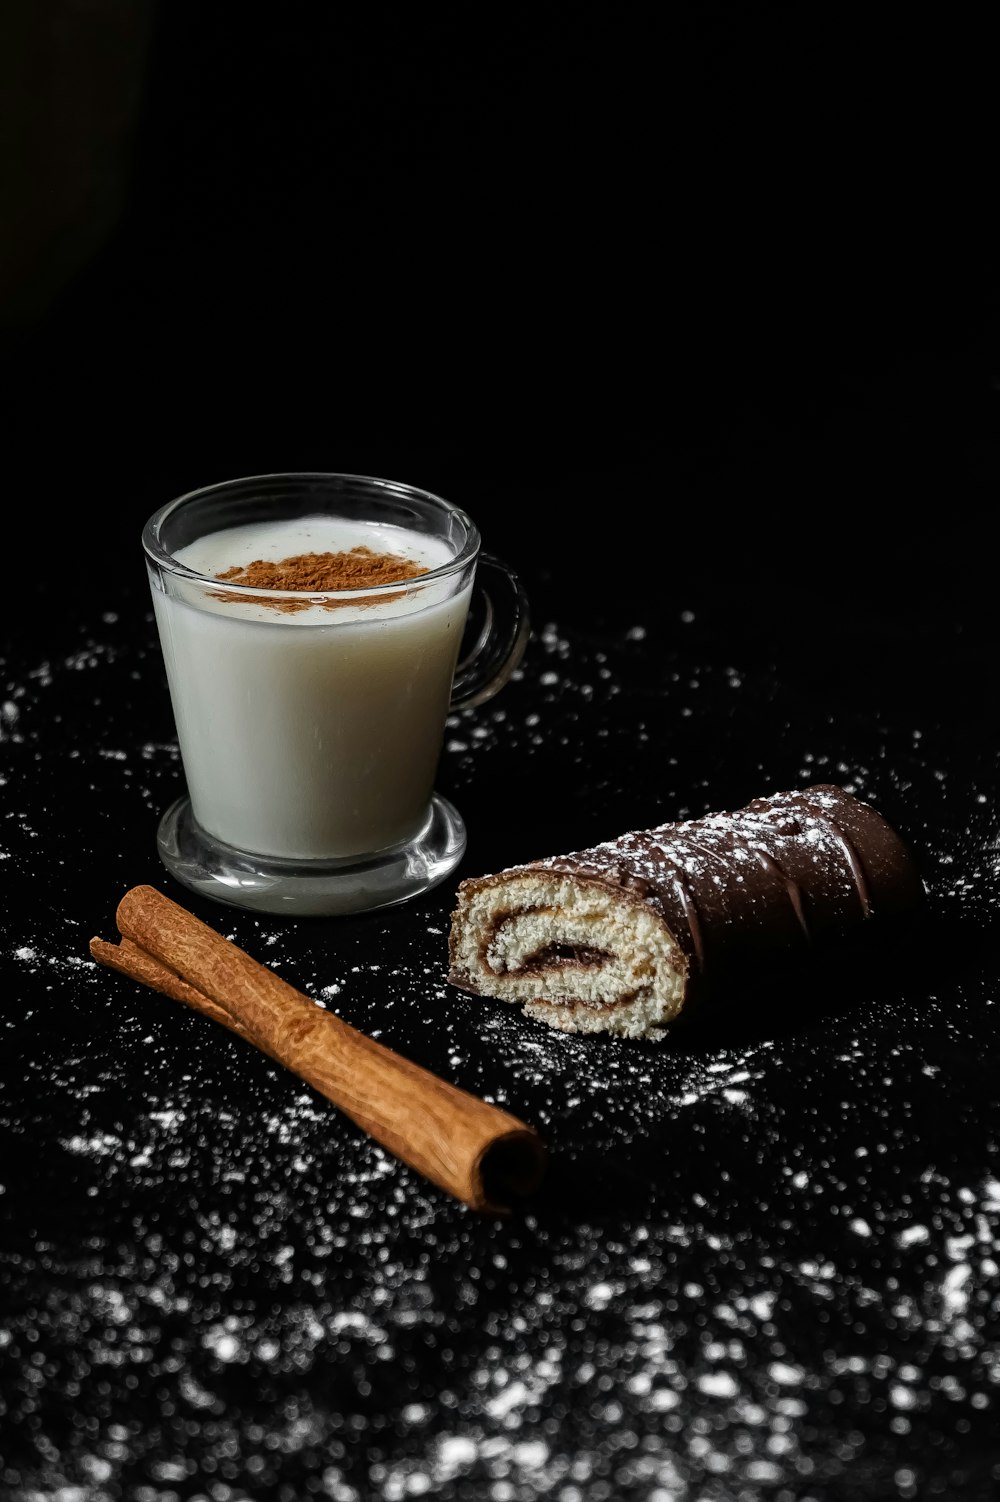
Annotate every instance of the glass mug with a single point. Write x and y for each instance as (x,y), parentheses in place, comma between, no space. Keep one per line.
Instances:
(310,721)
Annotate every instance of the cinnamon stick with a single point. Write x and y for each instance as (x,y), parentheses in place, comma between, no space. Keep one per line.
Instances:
(473,1150)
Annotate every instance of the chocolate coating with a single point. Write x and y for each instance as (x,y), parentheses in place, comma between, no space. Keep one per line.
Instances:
(776,874)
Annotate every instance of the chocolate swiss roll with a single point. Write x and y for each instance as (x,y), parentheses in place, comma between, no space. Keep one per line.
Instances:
(620,937)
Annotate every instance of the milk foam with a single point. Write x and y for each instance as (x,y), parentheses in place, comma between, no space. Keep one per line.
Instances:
(236,547)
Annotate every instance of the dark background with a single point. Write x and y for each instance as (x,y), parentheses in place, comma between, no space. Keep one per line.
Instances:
(694,308)
(701,295)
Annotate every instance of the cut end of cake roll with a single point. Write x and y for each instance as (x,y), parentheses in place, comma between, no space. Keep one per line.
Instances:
(571,951)
(619,938)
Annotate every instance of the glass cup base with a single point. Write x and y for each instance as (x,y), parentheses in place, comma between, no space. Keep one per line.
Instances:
(314,887)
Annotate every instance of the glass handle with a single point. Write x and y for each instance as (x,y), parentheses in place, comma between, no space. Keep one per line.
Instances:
(496,634)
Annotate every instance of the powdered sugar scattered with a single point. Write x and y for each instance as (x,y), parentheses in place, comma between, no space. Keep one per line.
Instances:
(766,1263)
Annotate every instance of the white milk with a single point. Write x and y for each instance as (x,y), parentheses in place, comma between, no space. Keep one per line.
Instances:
(314,734)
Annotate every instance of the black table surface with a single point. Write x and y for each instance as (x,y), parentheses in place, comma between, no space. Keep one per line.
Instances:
(764,1259)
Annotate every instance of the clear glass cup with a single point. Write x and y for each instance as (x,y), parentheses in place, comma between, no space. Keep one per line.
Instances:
(310,722)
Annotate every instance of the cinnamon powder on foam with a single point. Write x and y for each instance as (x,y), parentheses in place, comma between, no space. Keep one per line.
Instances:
(317,573)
